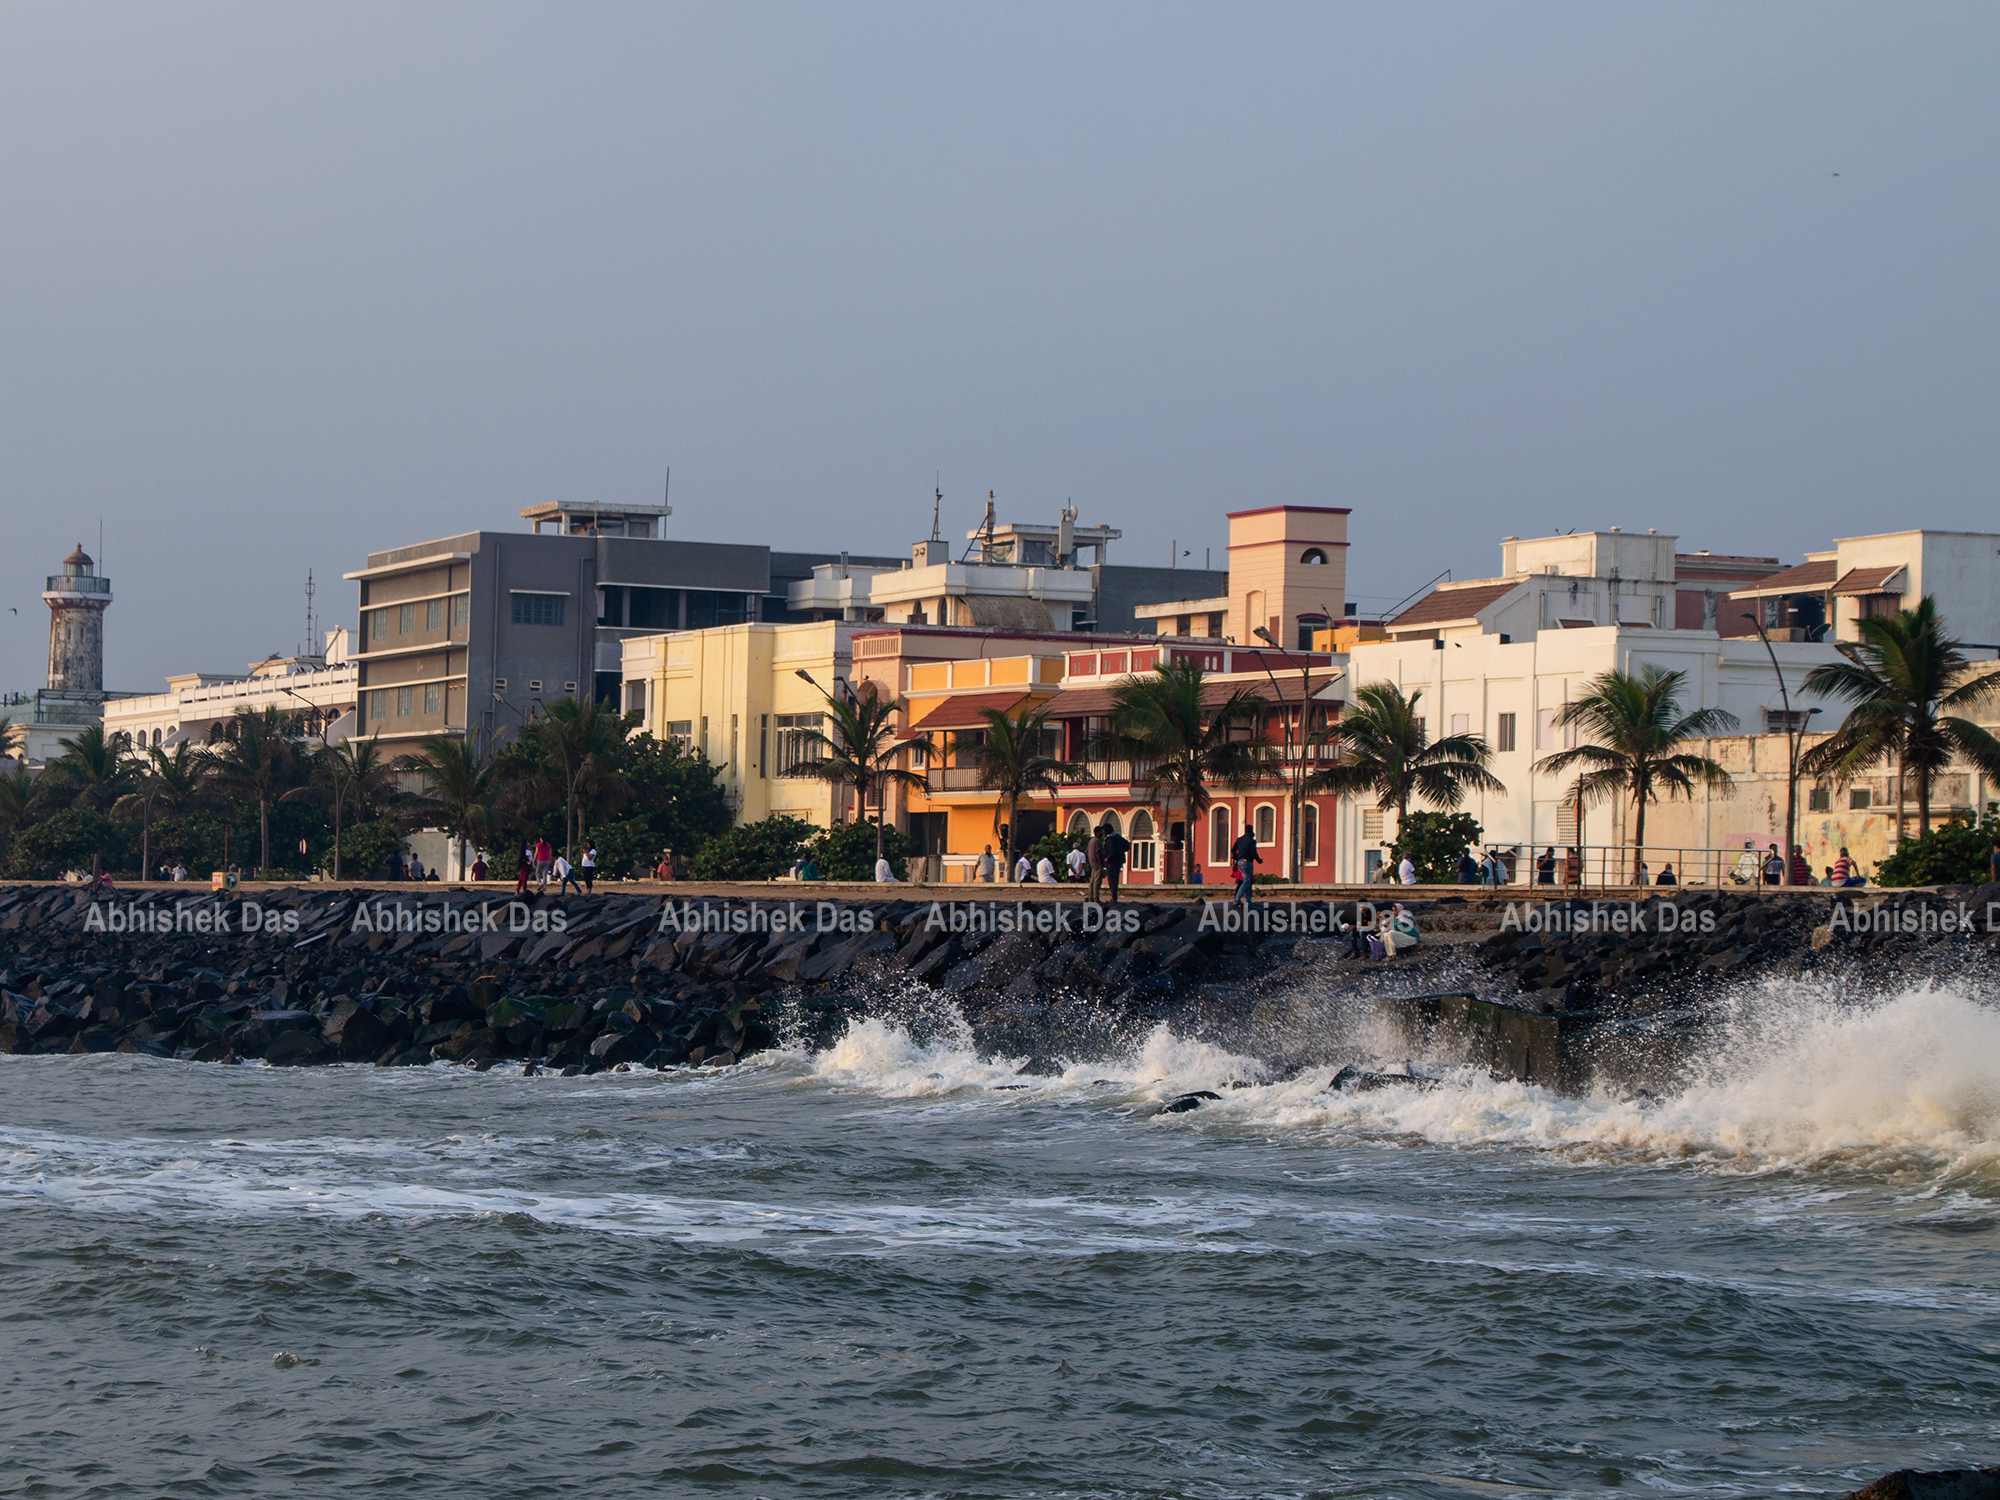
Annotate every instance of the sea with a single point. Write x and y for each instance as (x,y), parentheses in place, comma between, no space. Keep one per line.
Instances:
(896,1265)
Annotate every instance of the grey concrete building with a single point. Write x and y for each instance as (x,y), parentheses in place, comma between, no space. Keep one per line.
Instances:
(472,633)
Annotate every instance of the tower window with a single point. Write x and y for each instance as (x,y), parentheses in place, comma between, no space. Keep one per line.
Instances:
(1313,557)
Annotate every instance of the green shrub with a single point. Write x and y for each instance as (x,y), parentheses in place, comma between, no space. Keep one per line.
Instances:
(69,840)
(763,850)
(365,849)
(1435,840)
(848,852)
(1954,853)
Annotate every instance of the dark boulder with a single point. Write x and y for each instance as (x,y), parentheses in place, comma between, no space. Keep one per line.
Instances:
(1933,1484)
(1182,1103)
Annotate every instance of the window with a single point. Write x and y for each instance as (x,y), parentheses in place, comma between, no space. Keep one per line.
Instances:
(406,619)
(1423,729)
(1079,825)
(1309,834)
(1778,721)
(796,745)
(1313,557)
(1820,798)
(1142,827)
(1860,798)
(538,609)
(461,614)
(1145,851)
(1503,737)
(1371,824)
(1267,823)
(433,697)
(433,615)
(406,702)
(635,697)
(681,732)
(1461,723)
(1218,834)
(1117,826)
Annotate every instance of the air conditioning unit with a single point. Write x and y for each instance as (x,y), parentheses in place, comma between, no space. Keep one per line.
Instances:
(569,687)
(499,686)
(534,684)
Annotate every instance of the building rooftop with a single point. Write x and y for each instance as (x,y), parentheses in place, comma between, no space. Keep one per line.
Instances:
(1460,602)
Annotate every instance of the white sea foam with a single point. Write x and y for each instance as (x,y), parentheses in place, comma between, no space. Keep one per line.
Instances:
(1907,1086)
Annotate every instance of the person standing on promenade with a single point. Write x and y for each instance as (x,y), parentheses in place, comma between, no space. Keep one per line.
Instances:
(1075,863)
(589,868)
(544,862)
(1023,869)
(1093,861)
(987,868)
(1243,855)
(1112,852)
(521,874)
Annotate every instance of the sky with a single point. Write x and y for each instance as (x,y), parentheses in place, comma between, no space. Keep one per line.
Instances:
(282,284)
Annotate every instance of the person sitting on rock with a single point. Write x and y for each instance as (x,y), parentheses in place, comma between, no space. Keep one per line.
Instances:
(1045,871)
(1398,936)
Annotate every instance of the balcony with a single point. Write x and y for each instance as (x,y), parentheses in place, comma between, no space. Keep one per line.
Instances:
(76,583)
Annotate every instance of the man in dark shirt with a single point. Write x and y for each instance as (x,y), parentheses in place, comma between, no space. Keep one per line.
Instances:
(1243,854)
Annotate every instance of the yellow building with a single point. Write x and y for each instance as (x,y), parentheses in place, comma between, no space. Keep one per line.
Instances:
(1287,580)
(744,694)
(946,702)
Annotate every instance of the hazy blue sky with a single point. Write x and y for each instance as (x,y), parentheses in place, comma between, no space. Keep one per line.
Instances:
(280,283)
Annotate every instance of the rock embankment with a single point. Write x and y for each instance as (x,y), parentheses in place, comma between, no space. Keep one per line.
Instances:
(302,976)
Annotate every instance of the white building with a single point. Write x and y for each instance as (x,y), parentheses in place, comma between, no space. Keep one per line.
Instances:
(1501,656)
(197,706)
(1863,576)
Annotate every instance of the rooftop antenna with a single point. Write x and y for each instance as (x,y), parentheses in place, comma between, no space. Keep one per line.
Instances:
(312,618)
(937,505)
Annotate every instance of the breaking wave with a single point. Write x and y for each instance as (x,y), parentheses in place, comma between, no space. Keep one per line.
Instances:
(1906,1086)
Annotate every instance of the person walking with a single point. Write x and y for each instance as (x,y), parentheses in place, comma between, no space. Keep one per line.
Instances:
(1406,870)
(521,874)
(1115,848)
(544,863)
(1243,856)
(565,874)
(589,869)
(987,867)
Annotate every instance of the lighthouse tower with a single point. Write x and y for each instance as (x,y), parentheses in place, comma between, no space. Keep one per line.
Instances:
(77,599)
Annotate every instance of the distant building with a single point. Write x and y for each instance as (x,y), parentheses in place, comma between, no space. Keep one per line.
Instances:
(316,694)
(475,632)
(1011,575)
(1501,656)
(1831,592)
(1287,577)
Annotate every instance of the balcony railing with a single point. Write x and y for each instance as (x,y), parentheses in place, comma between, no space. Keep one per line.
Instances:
(76,583)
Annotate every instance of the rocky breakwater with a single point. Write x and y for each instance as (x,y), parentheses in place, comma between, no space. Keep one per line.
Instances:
(1627,992)
(301,976)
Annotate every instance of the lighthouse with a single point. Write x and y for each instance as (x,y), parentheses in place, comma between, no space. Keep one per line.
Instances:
(77,598)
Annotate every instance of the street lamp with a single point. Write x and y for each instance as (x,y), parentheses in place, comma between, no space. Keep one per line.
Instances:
(1295,765)
(1795,733)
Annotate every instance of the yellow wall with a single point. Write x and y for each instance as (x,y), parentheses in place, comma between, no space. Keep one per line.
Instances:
(738,678)
(1267,580)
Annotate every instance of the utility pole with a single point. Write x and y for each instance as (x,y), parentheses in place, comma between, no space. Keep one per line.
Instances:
(1795,733)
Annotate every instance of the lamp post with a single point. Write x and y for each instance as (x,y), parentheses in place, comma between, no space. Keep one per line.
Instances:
(1795,733)
(1295,764)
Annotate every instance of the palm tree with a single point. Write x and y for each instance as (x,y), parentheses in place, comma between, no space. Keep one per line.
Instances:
(260,763)
(354,771)
(93,767)
(580,738)
(1013,760)
(1637,725)
(10,734)
(459,786)
(1380,744)
(861,752)
(1178,745)
(1907,680)
(172,783)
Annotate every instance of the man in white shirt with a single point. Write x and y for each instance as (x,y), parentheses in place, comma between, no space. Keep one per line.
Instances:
(1045,871)
(1022,870)
(987,866)
(1076,861)
(1406,870)
(884,875)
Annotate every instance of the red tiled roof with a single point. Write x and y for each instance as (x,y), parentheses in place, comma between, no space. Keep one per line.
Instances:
(1440,605)
(1866,580)
(963,710)
(1805,578)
